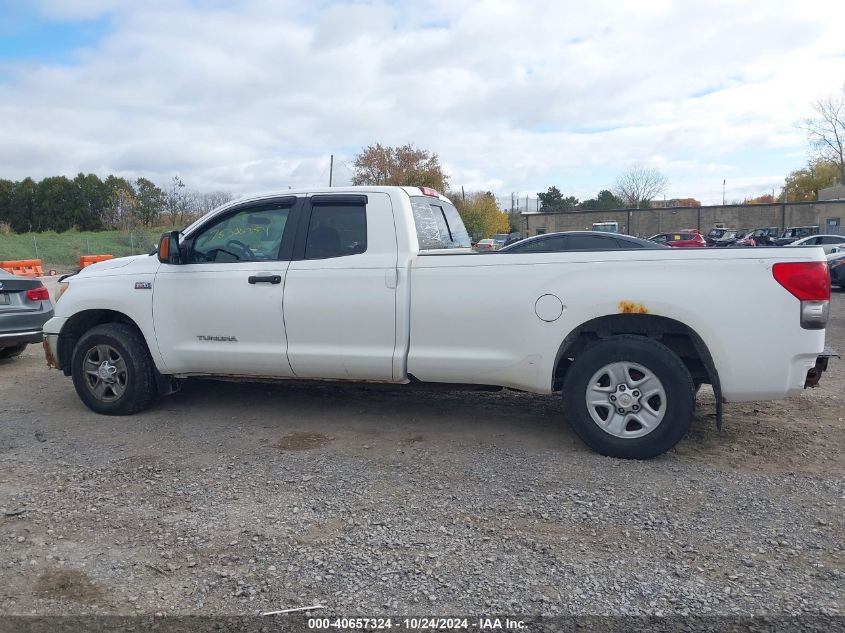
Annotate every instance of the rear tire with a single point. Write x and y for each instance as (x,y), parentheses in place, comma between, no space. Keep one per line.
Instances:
(12,352)
(112,370)
(629,396)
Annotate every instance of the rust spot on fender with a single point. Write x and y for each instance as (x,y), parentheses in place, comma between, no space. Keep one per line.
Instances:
(632,307)
(51,360)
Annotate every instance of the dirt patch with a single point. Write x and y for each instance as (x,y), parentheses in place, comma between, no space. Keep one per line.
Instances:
(300,441)
(68,584)
(320,533)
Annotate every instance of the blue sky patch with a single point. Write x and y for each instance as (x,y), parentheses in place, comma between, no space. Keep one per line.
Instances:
(25,35)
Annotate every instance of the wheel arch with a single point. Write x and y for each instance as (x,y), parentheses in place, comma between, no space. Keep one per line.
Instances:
(80,323)
(684,341)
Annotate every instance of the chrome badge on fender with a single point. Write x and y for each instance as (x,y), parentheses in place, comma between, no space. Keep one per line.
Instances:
(143,285)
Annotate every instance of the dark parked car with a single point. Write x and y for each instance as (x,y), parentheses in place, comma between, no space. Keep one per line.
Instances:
(24,309)
(794,233)
(578,241)
(719,235)
(759,237)
(836,265)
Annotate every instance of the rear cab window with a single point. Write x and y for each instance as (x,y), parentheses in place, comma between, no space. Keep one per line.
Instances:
(438,224)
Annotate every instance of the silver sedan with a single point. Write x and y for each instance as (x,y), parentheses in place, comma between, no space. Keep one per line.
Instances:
(24,309)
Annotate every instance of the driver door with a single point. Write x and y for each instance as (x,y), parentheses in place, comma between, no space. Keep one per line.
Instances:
(219,312)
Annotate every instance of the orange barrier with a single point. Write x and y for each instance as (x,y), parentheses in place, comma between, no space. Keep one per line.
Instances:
(23,267)
(87,260)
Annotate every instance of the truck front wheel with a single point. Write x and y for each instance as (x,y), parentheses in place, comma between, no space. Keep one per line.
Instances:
(629,396)
(112,370)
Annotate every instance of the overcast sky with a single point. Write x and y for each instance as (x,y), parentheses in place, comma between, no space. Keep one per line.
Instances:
(513,96)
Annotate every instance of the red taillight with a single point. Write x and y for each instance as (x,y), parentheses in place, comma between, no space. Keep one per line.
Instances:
(38,294)
(428,191)
(808,281)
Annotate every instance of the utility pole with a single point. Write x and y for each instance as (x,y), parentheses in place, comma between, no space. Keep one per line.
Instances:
(463,195)
(723,191)
(331,169)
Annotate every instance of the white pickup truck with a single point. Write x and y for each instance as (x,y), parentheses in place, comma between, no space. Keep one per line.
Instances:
(379,284)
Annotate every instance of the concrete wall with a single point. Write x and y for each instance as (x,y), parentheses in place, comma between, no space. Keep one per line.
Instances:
(836,192)
(647,222)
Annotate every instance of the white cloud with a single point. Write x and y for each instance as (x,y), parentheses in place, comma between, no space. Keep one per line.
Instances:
(514,96)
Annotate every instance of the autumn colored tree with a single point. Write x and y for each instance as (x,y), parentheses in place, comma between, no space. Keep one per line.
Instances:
(406,166)
(802,185)
(766,198)
(481,214)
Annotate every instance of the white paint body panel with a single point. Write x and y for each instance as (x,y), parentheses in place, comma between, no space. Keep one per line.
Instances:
(451,318)
(216,300)
(340,313)
(495,337)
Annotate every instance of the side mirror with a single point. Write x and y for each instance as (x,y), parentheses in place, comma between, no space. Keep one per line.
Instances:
(168,248)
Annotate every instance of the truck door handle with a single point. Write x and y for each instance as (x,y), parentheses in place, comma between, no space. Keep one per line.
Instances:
(391,278)
(265,279)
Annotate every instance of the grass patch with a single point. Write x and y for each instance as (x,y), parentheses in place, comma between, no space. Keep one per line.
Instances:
(62,250)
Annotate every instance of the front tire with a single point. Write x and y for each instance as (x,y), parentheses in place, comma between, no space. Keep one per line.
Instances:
(629,396)
(112,370)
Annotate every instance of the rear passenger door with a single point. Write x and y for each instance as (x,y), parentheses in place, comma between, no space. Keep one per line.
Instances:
(340,290)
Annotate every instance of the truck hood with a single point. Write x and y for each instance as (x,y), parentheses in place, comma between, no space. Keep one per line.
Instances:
(121,265)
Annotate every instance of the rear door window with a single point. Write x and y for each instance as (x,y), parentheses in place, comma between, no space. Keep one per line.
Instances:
(547,244)
(438,224)
(592,243)
(336,229)
(624,244)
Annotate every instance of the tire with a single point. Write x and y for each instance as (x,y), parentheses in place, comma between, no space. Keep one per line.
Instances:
(640,428)
(112,370)
(12,352)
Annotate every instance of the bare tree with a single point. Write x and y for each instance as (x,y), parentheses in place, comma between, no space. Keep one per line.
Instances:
(827,131)
(174,201)
(211,200)
(639,185)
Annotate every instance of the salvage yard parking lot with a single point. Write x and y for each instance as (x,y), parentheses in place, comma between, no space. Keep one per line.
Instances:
(232,498)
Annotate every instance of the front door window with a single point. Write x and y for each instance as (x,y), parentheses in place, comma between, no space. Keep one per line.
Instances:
(248,235)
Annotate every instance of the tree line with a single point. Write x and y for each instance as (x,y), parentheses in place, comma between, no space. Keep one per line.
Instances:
(635,188)
(89,203)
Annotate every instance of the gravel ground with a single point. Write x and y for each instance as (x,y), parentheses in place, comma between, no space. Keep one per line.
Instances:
(235,499)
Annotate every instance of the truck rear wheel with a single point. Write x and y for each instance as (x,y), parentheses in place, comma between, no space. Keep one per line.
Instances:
(112,370)
(629,396)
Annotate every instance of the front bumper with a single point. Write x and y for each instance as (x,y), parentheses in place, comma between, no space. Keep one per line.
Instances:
(815,374)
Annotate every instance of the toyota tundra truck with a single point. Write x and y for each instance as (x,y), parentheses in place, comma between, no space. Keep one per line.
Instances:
(380,285)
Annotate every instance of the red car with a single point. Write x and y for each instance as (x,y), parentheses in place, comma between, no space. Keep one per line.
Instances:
(689,238)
